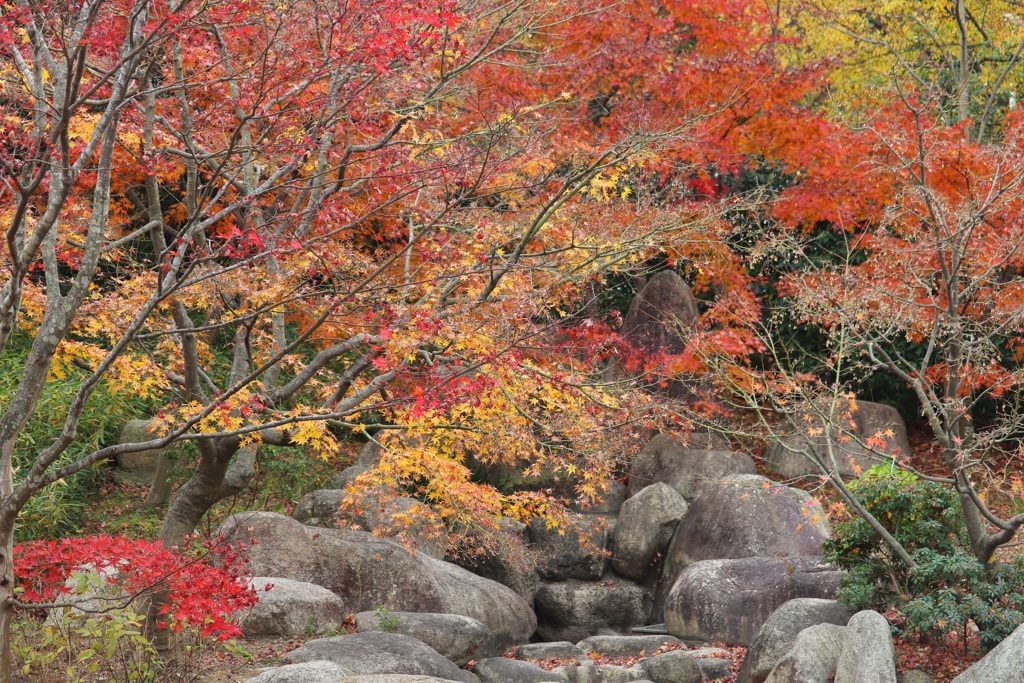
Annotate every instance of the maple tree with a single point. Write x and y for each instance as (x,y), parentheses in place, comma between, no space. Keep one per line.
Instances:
(199,593)
(942,270)
(922,279)
(288,223)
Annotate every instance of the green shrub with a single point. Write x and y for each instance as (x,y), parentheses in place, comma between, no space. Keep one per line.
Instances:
(386,621)
(948,588)
(919,514)
(953,589)
(108,644)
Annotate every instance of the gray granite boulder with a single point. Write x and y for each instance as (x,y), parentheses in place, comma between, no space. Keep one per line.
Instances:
(660,314)
(379,653)
(348,475)
(503,556)
(589,672)
(813,657)
(660,319)
(685,467)
(367,572)
(1004,663)
(611,499)
(803,452)
(867,654)
(456,637)
(745,516)
(87,590)
(140,462)
(403,678)
(574,553)
(914,676)
(730,600)
(645,527)
(714,662)
(676,666)
(320,508)
(308,672)
(323,508)
(574,610)
(503,670)
(536,652)
(291,608)
(779,633)
(625,646)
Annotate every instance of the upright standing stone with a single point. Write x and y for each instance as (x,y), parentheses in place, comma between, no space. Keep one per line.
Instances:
(868,655)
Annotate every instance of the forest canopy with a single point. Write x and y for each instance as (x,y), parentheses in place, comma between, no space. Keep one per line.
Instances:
(300,224)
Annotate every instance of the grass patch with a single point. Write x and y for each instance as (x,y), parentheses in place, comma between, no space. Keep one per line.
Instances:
(60,509)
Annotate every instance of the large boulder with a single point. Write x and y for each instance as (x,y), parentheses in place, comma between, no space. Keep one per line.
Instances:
(745,515)
(89,590)
(677,666)
(611,497)
(803,450)
(140,462)
(502,556)
(321,508)
(660,314)
(868,655)
(307,672)
(730,600)
(538,652)
(574,553)
(379,653)
(399,678)
(574,610)
(512,568)
(813,657)
(714,662)
(779,633)
(913,676)
(367,572)
(589,672)
(520,474)
(335,508)
(702,440)
(503,670)
(625,646)
(456,637)
(291,608)
(685,467)
(645,527)
(659,320)
(348,475)
(1004,663)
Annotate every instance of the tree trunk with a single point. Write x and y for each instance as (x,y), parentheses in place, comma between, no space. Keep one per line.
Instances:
(223,471)
(7,521)
(963,93)
(6,596)
(977,525)
(160,489)
(193,500)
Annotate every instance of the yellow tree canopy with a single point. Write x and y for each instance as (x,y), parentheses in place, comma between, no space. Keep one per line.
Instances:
(967,52)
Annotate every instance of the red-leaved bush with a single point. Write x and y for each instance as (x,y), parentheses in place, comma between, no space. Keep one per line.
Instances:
(198,593)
